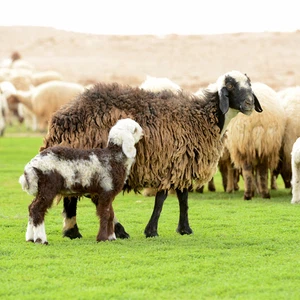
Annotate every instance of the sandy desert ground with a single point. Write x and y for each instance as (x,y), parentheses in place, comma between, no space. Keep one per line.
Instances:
(190,61)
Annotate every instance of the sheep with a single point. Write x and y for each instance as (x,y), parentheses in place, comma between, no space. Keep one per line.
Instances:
(295,157)
(3,113)
(64,171)
(46,98)
(254,143)
(42,77)
(158,84)
(290,99)
(8,109)
(182,142)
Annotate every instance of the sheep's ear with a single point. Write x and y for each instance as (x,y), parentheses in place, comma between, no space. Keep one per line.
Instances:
(223,100)
(128,147)
(257,106)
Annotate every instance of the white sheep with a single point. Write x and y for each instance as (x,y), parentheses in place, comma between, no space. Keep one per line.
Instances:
(46,98)
(158,84)
(45,76)
(254,142)
(100,173)
(290,99)
(295,155)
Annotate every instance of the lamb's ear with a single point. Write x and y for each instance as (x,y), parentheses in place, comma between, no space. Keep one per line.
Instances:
(128,147)
(257,106)
(223,100)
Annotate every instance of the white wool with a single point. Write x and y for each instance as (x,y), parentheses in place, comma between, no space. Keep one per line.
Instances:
(237,75)
(296,172)
(157,84)
(75,171)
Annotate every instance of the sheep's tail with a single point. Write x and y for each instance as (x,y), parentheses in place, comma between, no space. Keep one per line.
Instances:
(29,181)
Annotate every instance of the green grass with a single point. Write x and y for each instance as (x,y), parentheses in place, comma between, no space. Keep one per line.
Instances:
(239,249)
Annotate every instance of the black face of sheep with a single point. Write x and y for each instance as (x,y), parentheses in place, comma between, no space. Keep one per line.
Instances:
(235,92)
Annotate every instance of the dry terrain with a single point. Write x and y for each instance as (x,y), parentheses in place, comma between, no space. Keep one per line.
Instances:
(190,61)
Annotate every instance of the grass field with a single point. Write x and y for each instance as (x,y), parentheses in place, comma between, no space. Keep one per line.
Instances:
(239,249)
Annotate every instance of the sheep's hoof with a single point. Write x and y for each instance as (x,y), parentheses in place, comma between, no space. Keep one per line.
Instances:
(39,241)
(266,196)
(72,233)
(183,231)
(120,232)
(150,233)
(247,197)
(200,189)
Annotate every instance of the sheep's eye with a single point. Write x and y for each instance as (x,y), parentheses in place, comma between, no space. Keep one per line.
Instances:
(229,86)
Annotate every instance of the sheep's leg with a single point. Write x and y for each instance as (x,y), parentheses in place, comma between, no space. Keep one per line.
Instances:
(247,174)
(70,228)
(224,173)
(151,228)
(262,172)
(295,182)
(230,179)
(236,175)
(211,185)
(37,211)
(120,230)
(183,224)
(106,215)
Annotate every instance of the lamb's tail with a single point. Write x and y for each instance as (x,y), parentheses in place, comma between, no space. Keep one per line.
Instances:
(29,182)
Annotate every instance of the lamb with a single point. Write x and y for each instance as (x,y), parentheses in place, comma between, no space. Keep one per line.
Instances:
(46,98)
(182,142)
(290,99)
(254,143)
(296,172)
(64,171)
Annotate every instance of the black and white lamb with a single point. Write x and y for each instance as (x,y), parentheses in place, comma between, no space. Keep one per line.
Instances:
(64,171)
(182,141)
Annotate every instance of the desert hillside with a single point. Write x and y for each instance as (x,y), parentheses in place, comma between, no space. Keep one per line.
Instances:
(190,61)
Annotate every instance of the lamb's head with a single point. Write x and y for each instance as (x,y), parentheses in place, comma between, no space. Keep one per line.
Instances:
(235,92)
(126,133)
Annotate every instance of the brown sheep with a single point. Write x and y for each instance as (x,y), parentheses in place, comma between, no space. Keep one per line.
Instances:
(182,141)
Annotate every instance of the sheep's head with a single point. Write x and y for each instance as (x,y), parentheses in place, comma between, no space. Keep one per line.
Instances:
(126,133)
(234,89)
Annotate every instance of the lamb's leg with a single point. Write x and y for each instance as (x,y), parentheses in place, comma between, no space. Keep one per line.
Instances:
(37,210)
(151,228)
(70,228)
(110,228)
(183,224)
(118,227)
(106,215)
(262,172)
(247,174)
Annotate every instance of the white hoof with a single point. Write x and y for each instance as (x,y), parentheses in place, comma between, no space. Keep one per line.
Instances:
(39,234)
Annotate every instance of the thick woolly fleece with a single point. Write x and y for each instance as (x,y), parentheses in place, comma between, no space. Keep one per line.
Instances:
(181,134)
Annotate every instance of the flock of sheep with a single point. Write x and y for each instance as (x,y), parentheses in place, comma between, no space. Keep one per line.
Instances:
(246,129)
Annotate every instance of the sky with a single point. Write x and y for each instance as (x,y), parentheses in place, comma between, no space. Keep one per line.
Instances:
(159,17)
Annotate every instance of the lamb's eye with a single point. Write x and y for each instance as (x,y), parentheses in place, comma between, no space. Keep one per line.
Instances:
(229,86)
